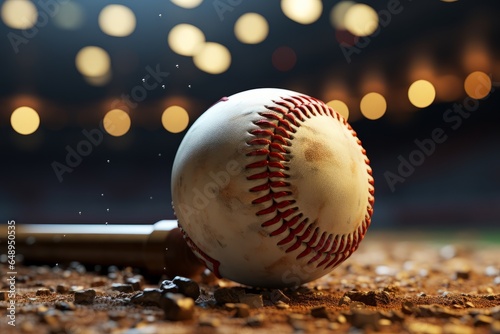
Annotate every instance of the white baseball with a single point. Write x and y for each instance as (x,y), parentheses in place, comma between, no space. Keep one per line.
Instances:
(272,188)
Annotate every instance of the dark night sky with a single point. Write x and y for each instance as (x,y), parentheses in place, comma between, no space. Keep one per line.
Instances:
(455,184)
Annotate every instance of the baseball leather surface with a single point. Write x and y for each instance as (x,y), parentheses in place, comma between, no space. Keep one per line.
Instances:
(272,188)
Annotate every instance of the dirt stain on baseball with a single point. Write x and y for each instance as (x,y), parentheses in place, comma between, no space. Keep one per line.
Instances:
(354,167)
(282,262)
(227,195)
(212,238)
(316,151)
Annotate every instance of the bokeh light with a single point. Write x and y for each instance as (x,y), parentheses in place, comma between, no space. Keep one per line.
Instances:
(70,16)
(213,58)
(251,28)
(284,58)
(373,106)
(421,93)
(117,20)
(187,3)
(477,85)
(116,122)
(337,14)
(301,11)
(25,120)
(175,119)
(339,107)
(93,61)
(19,14)
(361,20)
(186,39)
(100,80)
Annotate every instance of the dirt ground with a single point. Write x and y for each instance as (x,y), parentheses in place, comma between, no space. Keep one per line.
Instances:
(393,284)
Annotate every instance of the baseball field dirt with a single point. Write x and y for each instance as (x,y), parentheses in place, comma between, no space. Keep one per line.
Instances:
(446,283)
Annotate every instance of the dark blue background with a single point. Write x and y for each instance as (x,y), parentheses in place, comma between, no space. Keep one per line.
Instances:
(456,186)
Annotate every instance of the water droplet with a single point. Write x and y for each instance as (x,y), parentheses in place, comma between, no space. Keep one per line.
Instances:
(107,161)
(159,15)
(163,86)
(166,248)
(79,212)
(106,223)
(102,195)
(177,65)
(57,264)
(143,79)
(107,209)
(159,154)
(189,86)
(150,197)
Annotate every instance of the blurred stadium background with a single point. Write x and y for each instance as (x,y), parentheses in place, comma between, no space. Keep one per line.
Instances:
(120,82)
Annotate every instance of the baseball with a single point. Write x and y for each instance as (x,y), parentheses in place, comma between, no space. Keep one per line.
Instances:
(272,188)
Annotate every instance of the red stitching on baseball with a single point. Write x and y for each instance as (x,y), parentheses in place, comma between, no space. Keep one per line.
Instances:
(272,138)
(211,263)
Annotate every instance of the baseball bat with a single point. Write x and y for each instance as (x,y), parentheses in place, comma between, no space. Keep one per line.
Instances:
(158,249)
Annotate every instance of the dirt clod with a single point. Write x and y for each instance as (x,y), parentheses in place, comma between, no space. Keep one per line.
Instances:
(177,306)
(252,300)
(226,295)
(187,287)
(372,298)
(121,287)
(320,312)
(85,296)
(43,292)
(147,297)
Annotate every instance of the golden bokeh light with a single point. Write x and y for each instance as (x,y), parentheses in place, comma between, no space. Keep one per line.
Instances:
(175,119)
(337,15)
(187,3)
(186,39)
(421,93)
(19,14)
(117,20)
(251,28)
(25,120)
(361,20)
(100,80)
(477,85)
(373,106)
(301,11)
(116,122)
(93,61)
(213,58)
(70,16)
(339,107)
